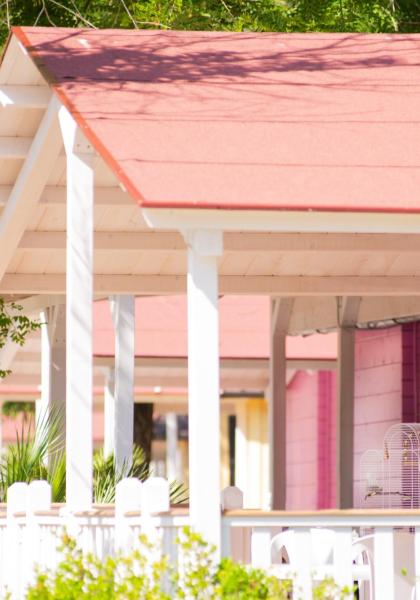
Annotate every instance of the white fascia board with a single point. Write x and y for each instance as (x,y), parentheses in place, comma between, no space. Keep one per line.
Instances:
(281,220)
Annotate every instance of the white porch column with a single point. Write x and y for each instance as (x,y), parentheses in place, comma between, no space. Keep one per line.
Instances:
(79,280)
(345,403)
(53,367)
(204,247)
(123,314)
(280,316)
(109,412)
(171,446)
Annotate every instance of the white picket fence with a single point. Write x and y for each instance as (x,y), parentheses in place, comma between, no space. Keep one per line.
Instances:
(31,527)
(364,546)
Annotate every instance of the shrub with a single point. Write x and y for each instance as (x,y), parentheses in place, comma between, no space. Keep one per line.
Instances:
(85,577)
(144,575)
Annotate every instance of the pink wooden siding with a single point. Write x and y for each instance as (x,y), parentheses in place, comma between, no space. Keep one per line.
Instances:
(378,390)
(326,439)
(382,371)
(302,415)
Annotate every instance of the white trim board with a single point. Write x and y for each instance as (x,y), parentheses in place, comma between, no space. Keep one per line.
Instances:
(282,220)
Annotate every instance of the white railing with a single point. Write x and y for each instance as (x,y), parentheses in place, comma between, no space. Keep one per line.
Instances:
(31,528)
(380,550)
(368,547)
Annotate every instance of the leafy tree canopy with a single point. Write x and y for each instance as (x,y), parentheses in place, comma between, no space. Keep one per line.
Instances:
(231,15)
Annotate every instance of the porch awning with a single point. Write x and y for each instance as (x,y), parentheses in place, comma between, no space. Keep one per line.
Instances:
(245,121)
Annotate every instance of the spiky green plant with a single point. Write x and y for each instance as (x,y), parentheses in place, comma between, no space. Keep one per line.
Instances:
(106,476)
(36,456)
(39,453)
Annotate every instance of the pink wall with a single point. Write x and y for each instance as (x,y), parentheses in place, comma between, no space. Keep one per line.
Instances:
(302,415)
(378,390)
(384,376)
(311,441)
(326,439)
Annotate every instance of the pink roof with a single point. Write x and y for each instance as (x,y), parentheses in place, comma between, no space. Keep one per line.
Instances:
(253,121)
(161,330)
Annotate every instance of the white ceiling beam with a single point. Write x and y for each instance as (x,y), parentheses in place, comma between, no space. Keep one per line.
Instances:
(166,362)
(172,381)
(14,148)
(320,242)
(24,96)
(103,240)
(149,285)
(233,242)
(29,184)
(56,196)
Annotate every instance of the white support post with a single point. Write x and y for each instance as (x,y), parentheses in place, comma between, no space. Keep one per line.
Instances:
(345,402)
(204,248)
(303,566)
(383,552)
(128,498)
(417,561)
(79,279)
(123,314)
(280,317)
(109,412)
(53,368)
(171,447)
(261,547)
(343,557)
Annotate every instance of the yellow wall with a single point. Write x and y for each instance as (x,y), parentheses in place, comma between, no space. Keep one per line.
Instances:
(251,455)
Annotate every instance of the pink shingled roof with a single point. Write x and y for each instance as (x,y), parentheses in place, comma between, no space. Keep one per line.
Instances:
(161,330)
(247,120)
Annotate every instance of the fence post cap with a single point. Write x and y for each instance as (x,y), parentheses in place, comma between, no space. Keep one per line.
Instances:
(128,494)
(155,498)
(232,498)
(17,497)
(39,495)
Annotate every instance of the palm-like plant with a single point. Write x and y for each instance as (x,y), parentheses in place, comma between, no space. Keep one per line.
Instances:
(106,476)
(40,454)
(36,456)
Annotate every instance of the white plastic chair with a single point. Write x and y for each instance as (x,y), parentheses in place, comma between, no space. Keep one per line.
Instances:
(404,585)
(321,548)
(283,546)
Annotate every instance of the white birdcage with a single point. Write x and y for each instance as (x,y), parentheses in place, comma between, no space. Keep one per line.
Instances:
(401,461)
(371,479)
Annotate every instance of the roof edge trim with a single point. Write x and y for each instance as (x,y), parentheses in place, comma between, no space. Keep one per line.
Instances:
(282,221)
